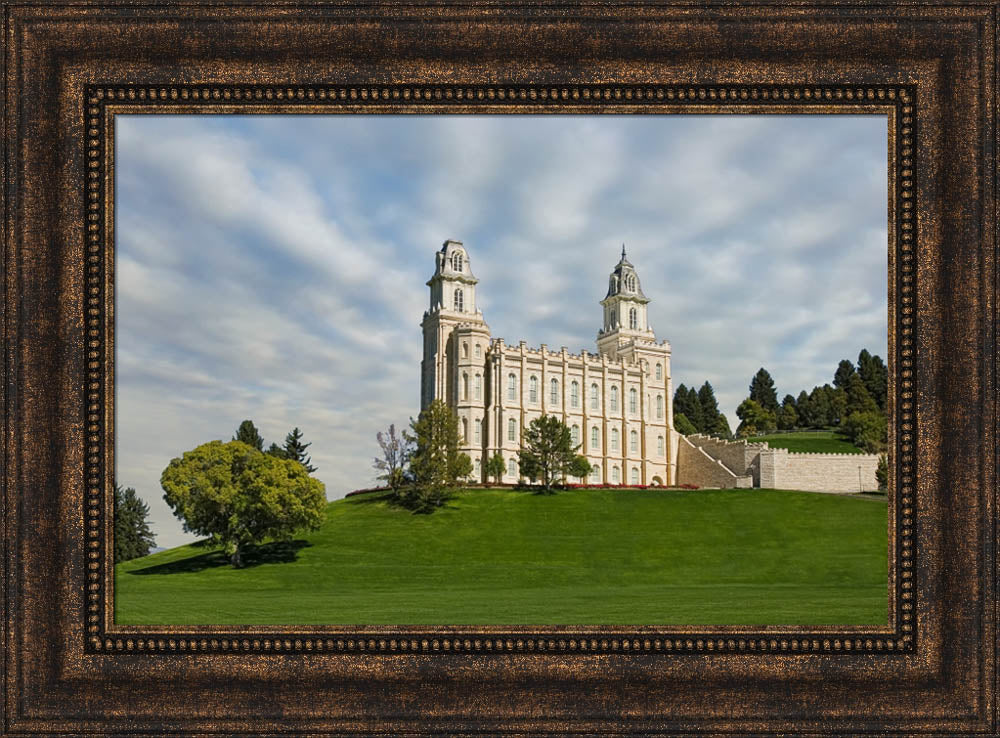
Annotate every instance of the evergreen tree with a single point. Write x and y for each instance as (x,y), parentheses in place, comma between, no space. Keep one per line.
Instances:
(296,450)
(844,371)
(548,452)
(133,538)
(721,428)
(276,450)
(858,399)
(579,467)
(697,416)
(248,434)
(682,404)
(762,391)
(875,375)
(804,410)
(787,416)
(683,426)
(436,464)
(709,408)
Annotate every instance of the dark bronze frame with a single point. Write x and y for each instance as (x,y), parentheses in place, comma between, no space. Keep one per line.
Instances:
(68,69)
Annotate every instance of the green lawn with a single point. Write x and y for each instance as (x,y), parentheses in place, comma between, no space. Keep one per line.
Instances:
(822,442)
(597,556)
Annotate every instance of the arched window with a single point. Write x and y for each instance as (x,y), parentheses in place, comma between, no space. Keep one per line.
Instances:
(630,283)
(633,403)
(635,475)
(465,350)
(479,351)
(615,476)
(511,387)
(614,439)
(533,389)
(512,430)
(659,407)
(478,467)
(633,319)
(465,429)
(459,301)
(595,473)
(659,371)
(479,387)
(554,392)
(595,438)
(594,401)
(660,449)
(465,386)
(614,398)
(479,425)
(633,441)
(574,394)
(511,468)
(574,434)
(456,261)
(614,285)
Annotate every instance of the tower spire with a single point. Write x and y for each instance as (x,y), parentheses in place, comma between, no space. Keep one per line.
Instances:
(623,250)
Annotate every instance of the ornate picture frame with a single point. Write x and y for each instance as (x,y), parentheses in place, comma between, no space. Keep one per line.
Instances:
(70,69)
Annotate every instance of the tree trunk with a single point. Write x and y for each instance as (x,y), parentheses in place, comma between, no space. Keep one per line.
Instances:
(236,559)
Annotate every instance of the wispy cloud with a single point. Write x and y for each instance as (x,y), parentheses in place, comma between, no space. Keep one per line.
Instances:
(273,268)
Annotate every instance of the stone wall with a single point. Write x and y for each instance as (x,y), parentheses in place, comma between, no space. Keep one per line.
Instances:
(737,455)
(694,466)
(781,469)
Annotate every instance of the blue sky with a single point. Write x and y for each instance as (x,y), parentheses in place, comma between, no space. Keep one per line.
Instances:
(274,267)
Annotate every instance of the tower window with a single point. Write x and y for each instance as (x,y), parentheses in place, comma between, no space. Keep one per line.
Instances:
(630,283)
(533,389)
(633,319)
(479,351)
(511,468)
(659,407)
(614,439)
(574,434)
(593,397)
(574,394)
(660,449)
(459,301)
(511,387)
(614,399)
(633,442)
(465,429)
(554,392)
(465,386)
(512,430)
(456,261)
(633,404)
(465,350)
(594,438)
(659,371)
(479,387)
(479,426)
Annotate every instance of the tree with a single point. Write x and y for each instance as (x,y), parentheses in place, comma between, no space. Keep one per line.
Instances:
(721,427)
(754,419)
(548,450)
(787,416)
(762,391)
(391,465)
(247,433)
(579,467)
(882,473)
(495,467)
(436,464)
(240,496)
(867,430)
(133,538)
(683,426)
(875,375)
(844,371)
(858,399)
(803,409)
(276,450)
(712,419)
(296,450)
(838,405)
(686,403)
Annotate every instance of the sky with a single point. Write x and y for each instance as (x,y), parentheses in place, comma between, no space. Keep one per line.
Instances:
(274,267)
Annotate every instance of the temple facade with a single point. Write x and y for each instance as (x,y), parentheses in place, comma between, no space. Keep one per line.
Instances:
(617,402)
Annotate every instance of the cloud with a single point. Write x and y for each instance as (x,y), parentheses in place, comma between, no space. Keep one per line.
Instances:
(273,267)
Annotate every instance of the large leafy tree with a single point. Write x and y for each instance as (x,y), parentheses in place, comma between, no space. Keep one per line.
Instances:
(762,391)
(133,537)
(754,419)
(295,449)
(867,430)
(548,453)
(247,433)
(436,463)
(239,496)
(495,467)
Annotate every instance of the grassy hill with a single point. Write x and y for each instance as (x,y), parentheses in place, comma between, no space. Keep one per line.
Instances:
(596,556)
(821,442)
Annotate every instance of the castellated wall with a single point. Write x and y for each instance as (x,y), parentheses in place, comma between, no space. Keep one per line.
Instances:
(737,455)
(781,469)
(694,466)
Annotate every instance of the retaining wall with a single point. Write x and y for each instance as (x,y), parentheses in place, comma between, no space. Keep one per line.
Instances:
(694,466)
(782,469)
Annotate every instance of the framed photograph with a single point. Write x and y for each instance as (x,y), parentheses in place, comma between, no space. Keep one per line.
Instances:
(421,338)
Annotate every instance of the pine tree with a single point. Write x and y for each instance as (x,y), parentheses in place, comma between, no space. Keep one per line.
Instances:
(804,410)
(248,434)
(681,403)
(548,453)
(276,450)
(709,407)
(697,414)
(296,450)
(683,426)
(436,463)
(875,375)
(844,371)
(762,391)
(858,399)
(133,538)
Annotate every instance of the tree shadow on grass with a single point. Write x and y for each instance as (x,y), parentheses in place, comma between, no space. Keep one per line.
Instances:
(276,552)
